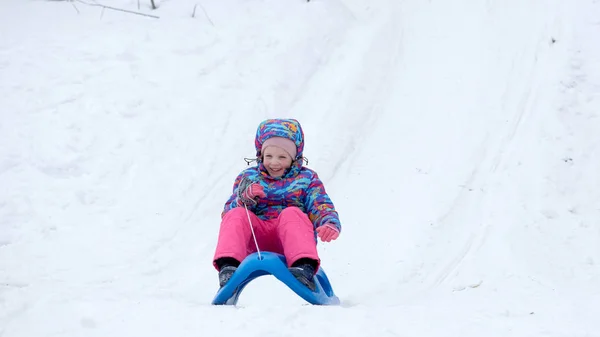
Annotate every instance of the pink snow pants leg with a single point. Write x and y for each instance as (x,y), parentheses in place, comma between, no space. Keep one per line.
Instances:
(297,235)
(291,234)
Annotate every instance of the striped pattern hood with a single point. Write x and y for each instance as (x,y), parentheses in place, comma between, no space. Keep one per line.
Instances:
(286,128)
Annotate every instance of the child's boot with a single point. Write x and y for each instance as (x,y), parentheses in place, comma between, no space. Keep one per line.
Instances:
(304,271)
(227,266)
(225,274)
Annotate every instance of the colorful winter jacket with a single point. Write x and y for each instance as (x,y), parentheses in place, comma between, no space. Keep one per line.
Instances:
(299,186)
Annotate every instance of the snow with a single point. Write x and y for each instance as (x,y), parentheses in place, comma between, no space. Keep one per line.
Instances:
(458,140)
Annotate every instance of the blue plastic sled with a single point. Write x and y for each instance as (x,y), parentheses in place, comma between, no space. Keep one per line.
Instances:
(274,264)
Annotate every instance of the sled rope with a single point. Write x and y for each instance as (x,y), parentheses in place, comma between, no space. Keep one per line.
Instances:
(252,229)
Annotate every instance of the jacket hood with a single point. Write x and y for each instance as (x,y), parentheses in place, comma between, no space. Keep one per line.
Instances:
(286,128)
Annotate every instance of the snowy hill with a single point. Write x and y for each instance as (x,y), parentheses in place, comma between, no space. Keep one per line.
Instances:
(458,140)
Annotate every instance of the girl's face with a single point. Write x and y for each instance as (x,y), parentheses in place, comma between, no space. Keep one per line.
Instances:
(276,161)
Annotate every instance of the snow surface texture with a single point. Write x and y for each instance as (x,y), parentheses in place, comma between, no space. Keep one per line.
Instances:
(458,140)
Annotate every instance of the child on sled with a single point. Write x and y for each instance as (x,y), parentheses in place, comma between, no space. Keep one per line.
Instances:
(286,203)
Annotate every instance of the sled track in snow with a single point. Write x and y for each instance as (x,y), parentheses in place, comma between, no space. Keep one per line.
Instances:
(482,178)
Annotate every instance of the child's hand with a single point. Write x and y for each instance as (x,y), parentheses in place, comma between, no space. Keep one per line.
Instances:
(328,232)
(252,193)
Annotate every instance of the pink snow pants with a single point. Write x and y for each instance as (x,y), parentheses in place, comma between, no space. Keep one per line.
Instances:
(291,235)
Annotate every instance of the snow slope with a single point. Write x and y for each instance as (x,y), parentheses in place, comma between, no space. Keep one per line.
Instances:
(457,140)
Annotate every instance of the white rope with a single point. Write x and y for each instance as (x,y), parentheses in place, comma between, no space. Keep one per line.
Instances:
(252,229)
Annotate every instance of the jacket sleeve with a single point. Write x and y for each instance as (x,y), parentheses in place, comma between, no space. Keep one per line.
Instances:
(232,201)
(319,206)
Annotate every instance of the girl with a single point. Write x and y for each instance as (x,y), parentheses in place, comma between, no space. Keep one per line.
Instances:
(286,202)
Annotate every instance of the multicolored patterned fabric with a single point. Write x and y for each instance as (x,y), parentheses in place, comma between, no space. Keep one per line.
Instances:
(286,128)
(298,187)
